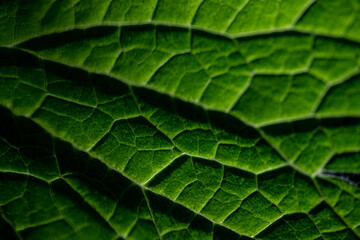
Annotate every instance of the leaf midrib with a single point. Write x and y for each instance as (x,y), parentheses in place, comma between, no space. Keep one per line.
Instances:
(189,27)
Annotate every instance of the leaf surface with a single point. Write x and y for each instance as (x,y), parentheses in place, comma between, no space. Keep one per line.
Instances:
(234,120)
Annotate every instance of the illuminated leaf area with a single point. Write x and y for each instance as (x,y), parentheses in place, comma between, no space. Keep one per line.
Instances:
(187,119)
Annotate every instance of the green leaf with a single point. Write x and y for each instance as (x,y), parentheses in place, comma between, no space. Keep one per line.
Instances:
(179,119)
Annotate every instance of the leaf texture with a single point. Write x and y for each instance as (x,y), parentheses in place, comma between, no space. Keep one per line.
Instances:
(180,119)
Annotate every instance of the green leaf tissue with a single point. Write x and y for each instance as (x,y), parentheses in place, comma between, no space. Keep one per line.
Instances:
(180,119)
